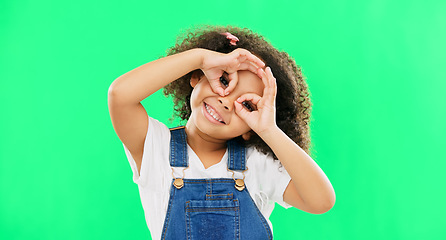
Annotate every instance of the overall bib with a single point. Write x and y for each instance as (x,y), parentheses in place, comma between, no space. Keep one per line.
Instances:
(213,208)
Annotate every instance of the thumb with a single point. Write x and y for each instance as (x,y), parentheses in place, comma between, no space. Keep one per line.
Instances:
(216,87)
(233,79)
(241,111)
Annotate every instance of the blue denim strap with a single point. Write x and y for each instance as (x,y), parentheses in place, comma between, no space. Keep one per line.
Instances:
(178,147)
(178,151)
(237,155)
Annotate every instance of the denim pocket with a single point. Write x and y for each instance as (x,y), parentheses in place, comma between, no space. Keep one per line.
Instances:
(213,219)
(227,196)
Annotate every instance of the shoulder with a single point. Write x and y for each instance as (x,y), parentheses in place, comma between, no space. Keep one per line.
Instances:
(254,156)
(158,126)
(156,150)
(253,152)
(260,159)
(157,131)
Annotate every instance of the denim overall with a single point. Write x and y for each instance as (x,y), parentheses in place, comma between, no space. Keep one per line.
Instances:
(213,208)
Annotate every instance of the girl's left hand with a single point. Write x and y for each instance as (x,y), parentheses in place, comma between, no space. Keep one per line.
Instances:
(264,117)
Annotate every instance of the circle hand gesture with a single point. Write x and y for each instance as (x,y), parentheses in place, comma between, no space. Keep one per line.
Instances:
(264,117)
(214,64)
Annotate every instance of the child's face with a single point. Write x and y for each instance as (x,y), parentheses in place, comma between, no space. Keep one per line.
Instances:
(225,124)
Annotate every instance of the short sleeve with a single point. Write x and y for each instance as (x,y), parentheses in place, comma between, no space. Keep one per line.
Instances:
(152,165)
(273,179)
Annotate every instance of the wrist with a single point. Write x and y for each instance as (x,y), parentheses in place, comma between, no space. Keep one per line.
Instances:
(269,133)
(200,53)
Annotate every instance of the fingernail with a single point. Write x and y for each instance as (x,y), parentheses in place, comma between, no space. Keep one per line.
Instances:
(227,93)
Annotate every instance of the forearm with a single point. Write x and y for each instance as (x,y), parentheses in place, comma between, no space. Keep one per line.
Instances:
(143,81)
(309,180)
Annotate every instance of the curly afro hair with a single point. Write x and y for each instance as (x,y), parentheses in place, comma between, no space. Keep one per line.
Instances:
(293,106)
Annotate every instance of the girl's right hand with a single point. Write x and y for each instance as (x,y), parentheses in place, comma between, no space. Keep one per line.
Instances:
(214,64)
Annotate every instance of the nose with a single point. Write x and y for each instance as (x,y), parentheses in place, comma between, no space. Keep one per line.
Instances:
(226,102)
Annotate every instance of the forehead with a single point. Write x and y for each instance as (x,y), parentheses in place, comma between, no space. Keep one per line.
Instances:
(248,82)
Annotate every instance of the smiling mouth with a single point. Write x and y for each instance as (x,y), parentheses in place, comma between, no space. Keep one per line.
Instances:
(213,113)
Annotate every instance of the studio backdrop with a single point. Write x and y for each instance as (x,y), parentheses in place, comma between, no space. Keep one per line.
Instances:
(375,70)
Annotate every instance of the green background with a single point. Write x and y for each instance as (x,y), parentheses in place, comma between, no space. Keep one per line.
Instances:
(376,74)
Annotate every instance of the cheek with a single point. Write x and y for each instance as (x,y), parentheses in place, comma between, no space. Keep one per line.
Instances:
(193,98)
(197,93)
(202,87)
(239,124)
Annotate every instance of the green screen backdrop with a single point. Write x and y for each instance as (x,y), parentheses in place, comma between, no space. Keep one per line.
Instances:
(376,74)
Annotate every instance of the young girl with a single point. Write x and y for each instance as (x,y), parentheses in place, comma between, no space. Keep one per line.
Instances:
(243,148)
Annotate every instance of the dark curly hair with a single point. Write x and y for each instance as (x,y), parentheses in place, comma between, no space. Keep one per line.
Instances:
(293,106)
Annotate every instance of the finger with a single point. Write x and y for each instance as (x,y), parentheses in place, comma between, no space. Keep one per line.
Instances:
(216,87)
(254,98)
(251,57)
(242,112)
(271,90)
(272,79)
(233,77)
(244,60)
(249,66)
(264,78)
(232,66)
(267,90)
(233,80)
(251,61)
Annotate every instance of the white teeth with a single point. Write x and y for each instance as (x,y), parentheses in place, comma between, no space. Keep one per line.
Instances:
(212,113)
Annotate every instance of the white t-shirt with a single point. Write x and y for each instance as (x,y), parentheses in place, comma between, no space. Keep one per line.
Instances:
(264,180)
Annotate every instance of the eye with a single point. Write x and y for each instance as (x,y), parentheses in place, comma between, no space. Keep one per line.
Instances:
(248,105)
(224,81)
